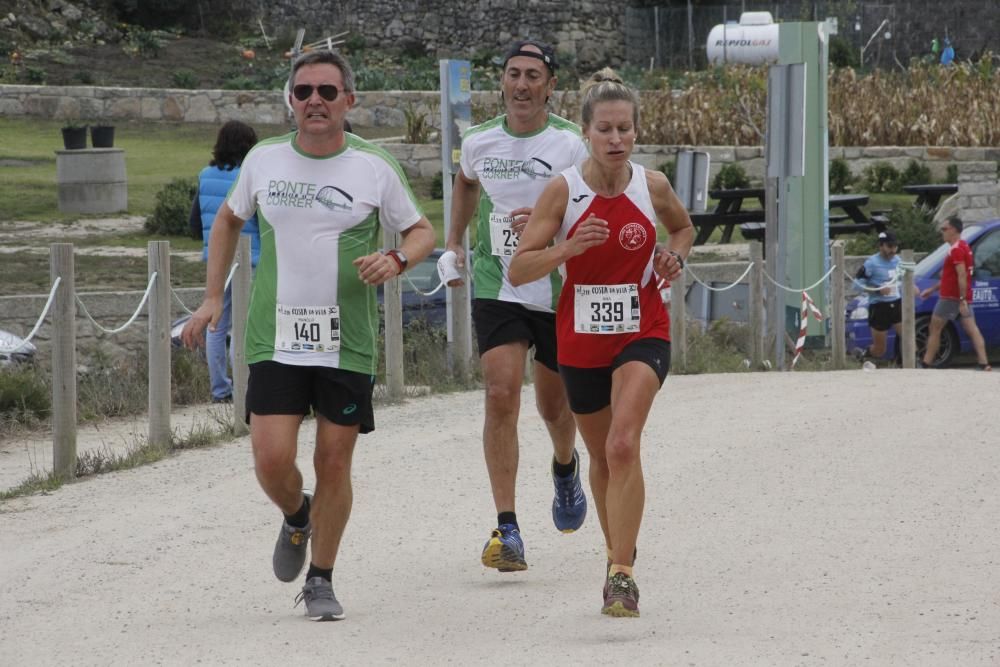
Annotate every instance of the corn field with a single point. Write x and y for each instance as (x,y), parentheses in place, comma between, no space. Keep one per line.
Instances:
(925,105)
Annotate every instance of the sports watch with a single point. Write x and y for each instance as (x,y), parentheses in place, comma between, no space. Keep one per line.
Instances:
(399,257)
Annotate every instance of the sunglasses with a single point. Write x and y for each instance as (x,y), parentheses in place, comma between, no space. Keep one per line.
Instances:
(304,91)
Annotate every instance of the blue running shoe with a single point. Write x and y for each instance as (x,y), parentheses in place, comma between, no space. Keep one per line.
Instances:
(504,550)
(569,506)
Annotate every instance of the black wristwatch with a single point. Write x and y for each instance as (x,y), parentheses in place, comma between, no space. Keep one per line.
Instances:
(679,259)
(399,257)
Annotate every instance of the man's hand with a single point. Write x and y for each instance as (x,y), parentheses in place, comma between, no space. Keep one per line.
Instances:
(519,219)
(963,308)
(376,268)
(208,314)
(459,263)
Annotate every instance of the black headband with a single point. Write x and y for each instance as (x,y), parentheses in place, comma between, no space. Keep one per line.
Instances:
(532,54)
(546,56)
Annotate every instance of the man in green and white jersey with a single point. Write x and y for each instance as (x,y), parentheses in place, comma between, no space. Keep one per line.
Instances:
(505,164)
(321,196)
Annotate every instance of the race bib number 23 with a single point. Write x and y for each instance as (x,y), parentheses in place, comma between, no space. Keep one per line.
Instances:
(503,240)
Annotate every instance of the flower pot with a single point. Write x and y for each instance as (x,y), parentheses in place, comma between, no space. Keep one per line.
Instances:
(102,136)
(74,138)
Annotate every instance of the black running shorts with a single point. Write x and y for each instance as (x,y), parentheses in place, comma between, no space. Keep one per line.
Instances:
(501,322)
(882,315)
(589,389)
(343,397)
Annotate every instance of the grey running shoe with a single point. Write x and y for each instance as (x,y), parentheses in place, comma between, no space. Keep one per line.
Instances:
(621,597)
(321,603)
(290,550)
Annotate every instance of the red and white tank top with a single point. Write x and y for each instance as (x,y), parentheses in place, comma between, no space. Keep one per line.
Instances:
(609,296)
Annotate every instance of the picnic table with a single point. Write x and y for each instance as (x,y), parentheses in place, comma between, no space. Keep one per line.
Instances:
(728,213)
(929,195)
(851,220)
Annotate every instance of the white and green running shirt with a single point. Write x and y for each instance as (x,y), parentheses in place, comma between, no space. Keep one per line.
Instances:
(317,215)
(512,170)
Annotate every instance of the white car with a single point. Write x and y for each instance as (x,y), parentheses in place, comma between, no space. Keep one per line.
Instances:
(15,350)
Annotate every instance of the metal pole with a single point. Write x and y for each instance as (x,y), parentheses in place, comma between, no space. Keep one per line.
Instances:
(63,361)
(909,349)
(775,300)
(656,33)
(678,325)
(241,307)
(690,36)
(159,344)
(393,304)
(757,319)
(838,317)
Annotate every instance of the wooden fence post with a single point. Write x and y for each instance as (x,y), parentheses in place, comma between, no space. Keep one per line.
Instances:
(757,331)
(393,306)
(678,324)
(838,306)
(63,320)
(241,306)
(909,326)
(159,310)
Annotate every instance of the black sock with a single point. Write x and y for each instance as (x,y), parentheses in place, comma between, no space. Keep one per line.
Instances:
(563,469)
(507,517)
(301,518)
(325,573)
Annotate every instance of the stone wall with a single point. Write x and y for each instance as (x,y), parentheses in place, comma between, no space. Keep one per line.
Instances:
(978,196)
(448,29)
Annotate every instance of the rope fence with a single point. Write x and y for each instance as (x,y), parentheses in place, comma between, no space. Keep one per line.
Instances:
(62,303)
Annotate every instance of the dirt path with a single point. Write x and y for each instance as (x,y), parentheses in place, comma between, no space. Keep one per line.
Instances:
(791,519)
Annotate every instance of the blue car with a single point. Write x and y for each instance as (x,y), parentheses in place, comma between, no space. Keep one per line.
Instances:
(984,238)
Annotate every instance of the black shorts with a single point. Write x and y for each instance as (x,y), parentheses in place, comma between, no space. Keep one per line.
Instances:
(501,322)
(589,389)
(882,315)
(343,397)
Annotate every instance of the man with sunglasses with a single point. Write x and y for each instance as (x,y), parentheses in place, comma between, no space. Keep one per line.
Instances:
(954,301)
(321,197)
(505,164)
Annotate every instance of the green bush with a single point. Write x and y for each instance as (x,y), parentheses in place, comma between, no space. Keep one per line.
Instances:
(669,168)
(842,53)
(185,78)
(841,177)
(730,176)
(952,174)
(35,75)
(880,177)
(913,227)
(173,208)
(915,174)
(24,393)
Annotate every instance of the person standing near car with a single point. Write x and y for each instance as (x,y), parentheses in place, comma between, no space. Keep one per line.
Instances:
(234,141)
(879,276)
(614,332)
(955,301)
(505,164)
(312,329)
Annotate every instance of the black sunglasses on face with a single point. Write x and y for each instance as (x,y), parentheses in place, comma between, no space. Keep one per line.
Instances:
(304,91)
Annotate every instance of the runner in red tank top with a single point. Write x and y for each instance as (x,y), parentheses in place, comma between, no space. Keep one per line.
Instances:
(612,328)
